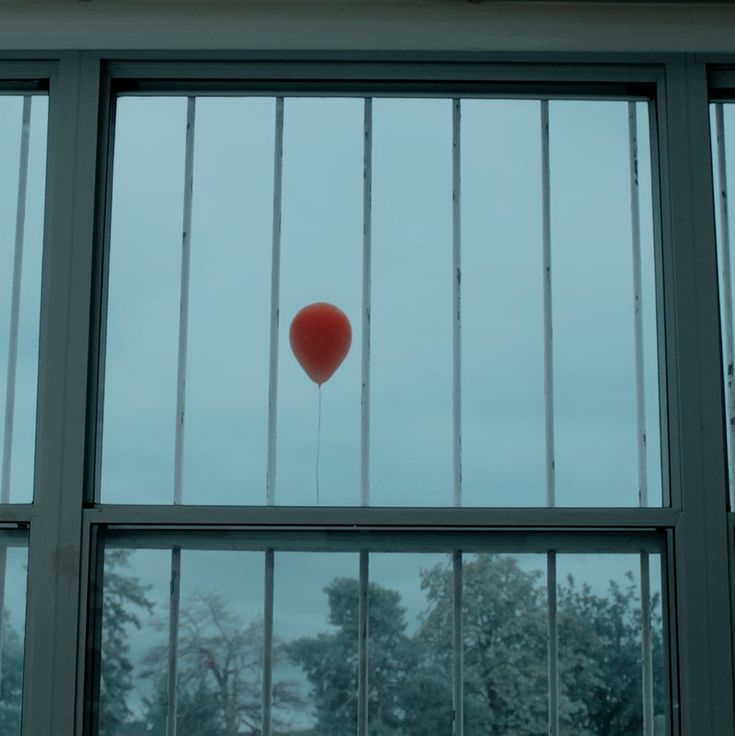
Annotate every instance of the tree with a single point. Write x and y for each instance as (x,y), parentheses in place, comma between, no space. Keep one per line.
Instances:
(220,667)
(600,643)
(505,656)
(405,692)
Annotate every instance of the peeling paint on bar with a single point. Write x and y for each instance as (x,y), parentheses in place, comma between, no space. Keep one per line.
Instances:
(548,333)
(184,300)
(726,285)
(270,484)
(367,235)
(637,303)
(457,298)
(362,646)
(20,219)
(553,643)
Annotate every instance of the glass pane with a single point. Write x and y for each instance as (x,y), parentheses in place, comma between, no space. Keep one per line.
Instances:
(601,645)
(220,642)
(410,670)
(229,293)
(24,160)
(13,574)
(593,307)
(605,420)
(321,261)
(315,634)
(502,308)
(411,319)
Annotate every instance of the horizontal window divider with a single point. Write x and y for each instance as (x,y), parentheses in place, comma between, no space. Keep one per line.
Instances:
(17,513)
(394,540)
(447,518)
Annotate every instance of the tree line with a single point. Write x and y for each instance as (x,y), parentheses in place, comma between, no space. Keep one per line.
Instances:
(505,624)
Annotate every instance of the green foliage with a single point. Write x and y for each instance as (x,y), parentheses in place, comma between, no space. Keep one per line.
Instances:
(505,657)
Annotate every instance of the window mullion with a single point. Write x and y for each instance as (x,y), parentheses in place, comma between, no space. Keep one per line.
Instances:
(553,633)
(54,613)
(367,244)
(695,399)
(275,304)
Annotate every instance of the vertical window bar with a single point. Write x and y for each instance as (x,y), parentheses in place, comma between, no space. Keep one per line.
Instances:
(646,645)
(457,629)
(457,299)
(268,644)
(362,646)
(175,595)
(20,219)
(727,314)
(458,646)
(275,303)
(184,305)
(367,237)
(173,640)
(267,715)
(553,649)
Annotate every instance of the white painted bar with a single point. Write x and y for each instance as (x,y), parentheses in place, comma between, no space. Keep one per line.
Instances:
(726,287)
(270,483)
(458,647)
(173,641)
(362,646)
(646,643)
(457,297)
(553,631)
(175,597)
(184,300)
(640,387)
(548,334)
(20,219)
(367,244)
(268,644)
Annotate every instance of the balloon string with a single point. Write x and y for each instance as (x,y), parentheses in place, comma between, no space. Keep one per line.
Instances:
(318,442)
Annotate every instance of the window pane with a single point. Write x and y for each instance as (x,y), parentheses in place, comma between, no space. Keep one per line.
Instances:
(602,645)
(315,634)
(321,261)
(13,573)
(597,421)
(220,641)
(22,196)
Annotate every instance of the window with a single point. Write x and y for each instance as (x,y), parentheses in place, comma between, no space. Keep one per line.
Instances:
(521,491)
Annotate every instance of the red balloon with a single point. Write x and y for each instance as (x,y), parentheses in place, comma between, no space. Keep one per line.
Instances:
(320,338)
